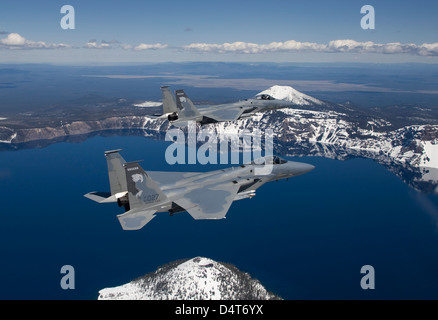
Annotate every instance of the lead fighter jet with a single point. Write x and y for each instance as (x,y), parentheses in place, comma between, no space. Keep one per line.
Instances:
(180,109)
(204,195)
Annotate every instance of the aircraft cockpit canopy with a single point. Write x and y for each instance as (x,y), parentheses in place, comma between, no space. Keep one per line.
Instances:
(264,97)
(269,160)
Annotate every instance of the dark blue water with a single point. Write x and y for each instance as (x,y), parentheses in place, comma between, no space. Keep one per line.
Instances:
(306,238)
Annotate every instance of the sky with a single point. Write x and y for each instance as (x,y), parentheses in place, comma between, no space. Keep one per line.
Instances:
(135,31)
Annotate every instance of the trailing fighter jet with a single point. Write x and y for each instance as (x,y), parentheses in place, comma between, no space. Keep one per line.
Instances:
(180,109)
(204,195)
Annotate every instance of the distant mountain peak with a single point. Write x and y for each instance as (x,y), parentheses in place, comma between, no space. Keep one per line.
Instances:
(290,94)
(194,279)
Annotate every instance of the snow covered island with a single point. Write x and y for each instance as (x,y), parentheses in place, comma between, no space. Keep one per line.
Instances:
(194,279)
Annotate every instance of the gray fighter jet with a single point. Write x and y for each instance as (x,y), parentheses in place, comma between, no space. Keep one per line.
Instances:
(204,195)
(180,109)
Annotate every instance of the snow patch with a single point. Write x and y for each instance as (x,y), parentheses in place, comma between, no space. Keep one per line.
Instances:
(148,104)
(10,140)
(430,155)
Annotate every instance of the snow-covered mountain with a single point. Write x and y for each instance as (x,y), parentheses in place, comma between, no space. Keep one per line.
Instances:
(195,279)
(290,94)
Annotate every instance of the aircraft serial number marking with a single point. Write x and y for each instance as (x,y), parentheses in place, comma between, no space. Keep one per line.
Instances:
(152,197)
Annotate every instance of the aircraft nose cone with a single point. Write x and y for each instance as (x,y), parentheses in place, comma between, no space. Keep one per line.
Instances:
(302,168)
(307,167)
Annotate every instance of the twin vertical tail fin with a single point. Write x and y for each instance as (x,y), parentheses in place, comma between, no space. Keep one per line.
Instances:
(132,188)
(117,180)
(180,109)
(169,103)
(116,172)
(142,190)
(145,198)
(132,179)
(186,108)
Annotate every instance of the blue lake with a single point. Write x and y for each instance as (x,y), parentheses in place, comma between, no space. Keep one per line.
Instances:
(306,238)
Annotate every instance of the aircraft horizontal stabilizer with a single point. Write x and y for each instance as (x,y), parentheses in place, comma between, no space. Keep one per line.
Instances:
(100,197)
(104,197)
(136,219)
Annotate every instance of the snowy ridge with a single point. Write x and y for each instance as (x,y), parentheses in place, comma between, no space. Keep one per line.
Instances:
(195,279)
(416,145)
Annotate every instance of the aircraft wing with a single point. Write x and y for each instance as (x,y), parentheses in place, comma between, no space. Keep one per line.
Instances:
(208,202)
(166,178)
(228,114)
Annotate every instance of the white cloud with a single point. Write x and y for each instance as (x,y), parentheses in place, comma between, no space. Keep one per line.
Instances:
(426,49)
(155,46)
(371,47)
(16,41)
(92,44)
(104,44)
(13,39)
(246,47)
